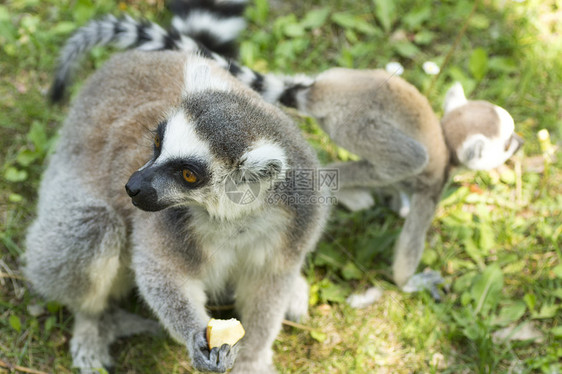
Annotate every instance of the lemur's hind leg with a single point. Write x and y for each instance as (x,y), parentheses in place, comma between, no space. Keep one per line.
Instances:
(93,334)
(262,302)
(409,247)
(75,256)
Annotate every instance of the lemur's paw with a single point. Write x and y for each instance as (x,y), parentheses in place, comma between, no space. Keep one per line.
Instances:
(355,199)
(217,360)
(90,359)
(428,280)
(297,309)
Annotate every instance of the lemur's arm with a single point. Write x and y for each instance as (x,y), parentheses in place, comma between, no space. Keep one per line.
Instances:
(178,300)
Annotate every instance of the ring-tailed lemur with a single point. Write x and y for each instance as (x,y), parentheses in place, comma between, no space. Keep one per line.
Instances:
(384,120)
(204,226)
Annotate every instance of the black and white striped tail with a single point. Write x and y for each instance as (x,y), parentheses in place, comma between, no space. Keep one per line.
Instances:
(127,33)
(124,33)
(214,23)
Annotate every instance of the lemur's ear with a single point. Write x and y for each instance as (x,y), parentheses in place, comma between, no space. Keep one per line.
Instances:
(265,162)
(454,98)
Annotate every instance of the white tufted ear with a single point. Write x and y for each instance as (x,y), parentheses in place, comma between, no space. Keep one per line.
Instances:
(265,162)
(454,98)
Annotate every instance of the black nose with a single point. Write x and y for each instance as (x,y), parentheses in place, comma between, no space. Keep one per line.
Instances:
(133,186)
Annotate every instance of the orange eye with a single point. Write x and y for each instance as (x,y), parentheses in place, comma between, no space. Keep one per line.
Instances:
(157,141)
(189,176)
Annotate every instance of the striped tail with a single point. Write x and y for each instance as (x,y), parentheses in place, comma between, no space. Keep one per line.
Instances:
(124,33)
(127,33)
(214,23)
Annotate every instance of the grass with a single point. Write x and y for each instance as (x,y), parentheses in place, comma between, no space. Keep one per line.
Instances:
(496,236)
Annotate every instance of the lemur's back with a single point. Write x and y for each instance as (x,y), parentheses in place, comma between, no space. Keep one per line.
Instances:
(348,99)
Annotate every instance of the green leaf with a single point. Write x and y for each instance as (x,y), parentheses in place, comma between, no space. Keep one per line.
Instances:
(557,293)
(344,20)
(293,30)
(350,271)
(64,27)
(345,155)
(25,157)
(546,311)
(463,282)
(478,64)
(50,323)
(14,175)
(315,18)
(30,23)
(248,53)
(4,13)
(327,255)
(314,294)
(385,12)
(406,49)
(15,198)
(487,289)
(332,292)
(531,300)
(480,21)
(510,313)
(472,250)
(351,22)
(318,336)
(83,11)
(38,136)
(424,37)
(365,27)
(416,17)
(53,307)
(15,322)
(259,12)
(486,237)
(502,64)
(556,331)
(557,270)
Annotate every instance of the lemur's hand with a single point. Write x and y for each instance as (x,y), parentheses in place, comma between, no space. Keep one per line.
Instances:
(217,360)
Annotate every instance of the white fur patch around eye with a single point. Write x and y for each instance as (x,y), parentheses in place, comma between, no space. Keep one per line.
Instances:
(478,152)
(198,77)
(181,141)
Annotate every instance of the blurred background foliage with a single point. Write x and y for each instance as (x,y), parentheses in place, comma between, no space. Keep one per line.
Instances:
(496,237)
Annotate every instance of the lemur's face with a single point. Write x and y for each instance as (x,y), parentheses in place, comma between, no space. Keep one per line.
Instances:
(204,154)
(480,134)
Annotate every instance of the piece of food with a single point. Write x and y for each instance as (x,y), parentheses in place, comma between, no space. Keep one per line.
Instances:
(224,331)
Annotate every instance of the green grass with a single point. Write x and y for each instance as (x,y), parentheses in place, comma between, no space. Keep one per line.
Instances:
(496,236)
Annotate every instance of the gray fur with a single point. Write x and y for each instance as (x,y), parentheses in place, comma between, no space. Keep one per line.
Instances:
(387,122)
(89,245)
